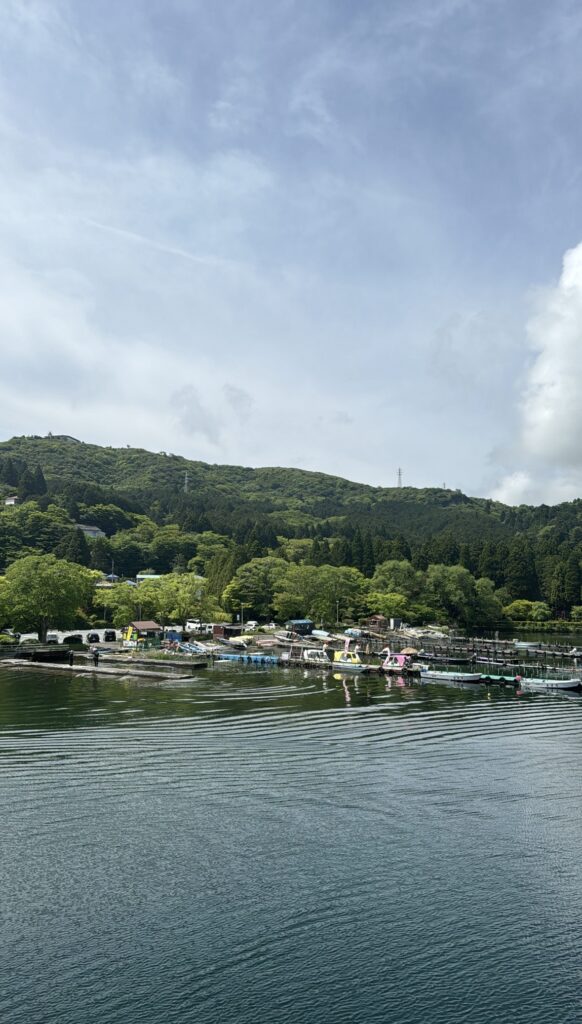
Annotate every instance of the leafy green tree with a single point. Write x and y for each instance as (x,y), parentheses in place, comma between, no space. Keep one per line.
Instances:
(523,610)
(451,589)
(109,518)
(392,604)
(489,610)
(178,597)
(341,592)
(296,594)
(126,603)
(253,586)
(208,545)
(397,576)
(324,592)
(42,591)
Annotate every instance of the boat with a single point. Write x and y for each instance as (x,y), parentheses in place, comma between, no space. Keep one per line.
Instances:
(349,661)
(250,659)
(433,675)
(396,663)
(307,657)
(550,683)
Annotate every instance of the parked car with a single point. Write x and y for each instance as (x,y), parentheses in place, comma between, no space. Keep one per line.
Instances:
(92,638)
(109,636)
(73,638)
(52,638)
(251,624)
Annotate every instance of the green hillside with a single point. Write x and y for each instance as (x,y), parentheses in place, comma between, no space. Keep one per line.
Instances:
(154,483)
(417,552)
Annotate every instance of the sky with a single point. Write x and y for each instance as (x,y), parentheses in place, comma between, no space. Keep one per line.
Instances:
(340,236)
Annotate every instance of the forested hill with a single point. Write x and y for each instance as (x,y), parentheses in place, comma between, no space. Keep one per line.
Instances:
(293,501)
(416,553)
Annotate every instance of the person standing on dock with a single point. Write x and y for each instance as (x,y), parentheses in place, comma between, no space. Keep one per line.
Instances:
(71,658)
(95,657)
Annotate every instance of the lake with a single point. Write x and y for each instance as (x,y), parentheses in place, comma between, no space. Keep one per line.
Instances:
(268,846)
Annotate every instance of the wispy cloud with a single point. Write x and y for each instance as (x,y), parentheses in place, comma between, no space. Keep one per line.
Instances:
(170,250)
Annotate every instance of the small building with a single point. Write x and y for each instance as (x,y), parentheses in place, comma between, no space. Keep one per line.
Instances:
(301,626)
(226,630)
(12,499)
(90,531)
(147,628)
(379,622)
(141,576)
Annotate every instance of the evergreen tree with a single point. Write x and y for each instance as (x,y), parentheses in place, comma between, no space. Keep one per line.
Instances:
(357,558)
(367,555)
(39,481)
(74,548)
(100,549)
(520,577)
(8,472)
(572,581)
(26,485)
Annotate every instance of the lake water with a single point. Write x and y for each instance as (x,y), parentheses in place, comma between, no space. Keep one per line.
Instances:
(257,846)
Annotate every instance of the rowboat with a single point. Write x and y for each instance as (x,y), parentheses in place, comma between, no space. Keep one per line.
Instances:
(430,675)
(550,684)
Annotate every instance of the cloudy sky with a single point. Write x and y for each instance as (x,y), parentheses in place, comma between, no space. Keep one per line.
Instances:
(337,235)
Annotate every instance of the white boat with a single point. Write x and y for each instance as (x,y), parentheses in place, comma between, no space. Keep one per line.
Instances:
(316,656)
(550,684)
(433,675)
(310,657)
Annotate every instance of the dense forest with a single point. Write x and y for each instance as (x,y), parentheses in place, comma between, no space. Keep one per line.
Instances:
(270,538)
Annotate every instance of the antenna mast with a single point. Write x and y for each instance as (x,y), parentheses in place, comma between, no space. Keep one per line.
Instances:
(399,477)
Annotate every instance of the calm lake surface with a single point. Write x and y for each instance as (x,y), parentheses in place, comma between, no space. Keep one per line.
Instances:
(255,846)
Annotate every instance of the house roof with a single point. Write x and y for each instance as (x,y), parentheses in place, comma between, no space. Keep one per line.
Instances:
(145,624)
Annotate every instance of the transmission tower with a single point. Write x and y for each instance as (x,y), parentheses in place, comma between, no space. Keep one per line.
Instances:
(399,477)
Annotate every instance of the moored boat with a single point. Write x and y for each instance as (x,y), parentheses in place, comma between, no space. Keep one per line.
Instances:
(550,683)
(430,675)
(350,661)
(396,663)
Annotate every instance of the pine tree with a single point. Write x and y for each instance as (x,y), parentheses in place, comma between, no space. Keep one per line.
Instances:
(520,577)
(572,581)
(367,555)
(39,481)
(357,550)
(74,548)
(26,485)
(8,472)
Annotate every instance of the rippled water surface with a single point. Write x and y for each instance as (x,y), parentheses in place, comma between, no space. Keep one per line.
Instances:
(253,846)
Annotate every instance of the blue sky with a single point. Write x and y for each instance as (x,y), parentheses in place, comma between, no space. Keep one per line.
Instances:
(330,235)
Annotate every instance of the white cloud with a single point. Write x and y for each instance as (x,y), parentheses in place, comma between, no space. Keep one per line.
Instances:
(550,434)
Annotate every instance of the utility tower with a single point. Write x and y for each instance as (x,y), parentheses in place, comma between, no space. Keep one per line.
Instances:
(399,477)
